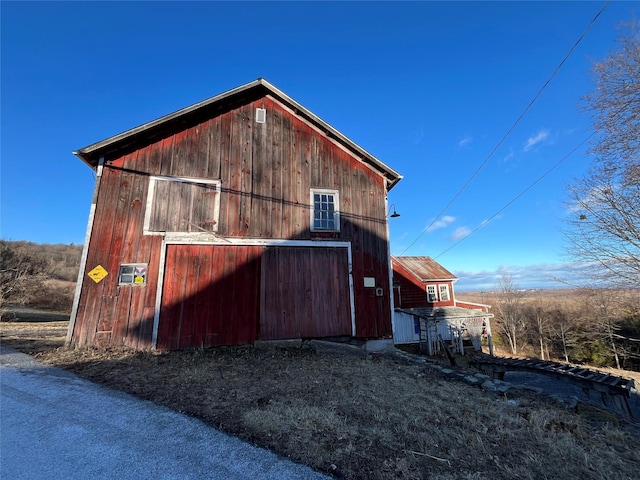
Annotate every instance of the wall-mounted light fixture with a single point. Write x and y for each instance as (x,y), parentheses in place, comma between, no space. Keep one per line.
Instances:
(394,214)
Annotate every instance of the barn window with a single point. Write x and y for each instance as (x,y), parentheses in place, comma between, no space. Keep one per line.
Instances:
(186,205)
(133,274)
(325,211)
(444,293)
(432,296)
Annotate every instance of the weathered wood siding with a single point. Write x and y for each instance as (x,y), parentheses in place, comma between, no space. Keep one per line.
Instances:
(266,172)
(412,292)
(305,293)
(210,296)
(109,313)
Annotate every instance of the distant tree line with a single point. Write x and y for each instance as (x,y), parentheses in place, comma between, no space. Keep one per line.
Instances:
(38,275)
(597,326)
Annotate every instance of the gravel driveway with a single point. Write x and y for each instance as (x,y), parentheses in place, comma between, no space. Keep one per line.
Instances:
(56,425)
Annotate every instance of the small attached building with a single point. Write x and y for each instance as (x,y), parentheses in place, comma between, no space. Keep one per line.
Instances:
(243,217)
(426,307)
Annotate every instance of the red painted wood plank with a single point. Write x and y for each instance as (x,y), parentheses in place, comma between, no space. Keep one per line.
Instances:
(287,188)
(201,296)
(154,158)
(100,249)
(166,315)
(278,179)
(299,195)
(215,324)
(193,166)
(180,156)
(275,315)
(122,251)
(167,155)
(214,149)
(260,226)
(172,300)
(235,176)
(245,134)
(189,301)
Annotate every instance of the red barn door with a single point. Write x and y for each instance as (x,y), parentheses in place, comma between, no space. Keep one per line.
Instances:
(305,293)
(210,296)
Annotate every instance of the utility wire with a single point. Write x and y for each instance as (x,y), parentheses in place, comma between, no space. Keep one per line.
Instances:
(517,197)
(506,135)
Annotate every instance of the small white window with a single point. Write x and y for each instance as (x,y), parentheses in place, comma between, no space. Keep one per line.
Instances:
(132,274)
(325,211)
(444,293)
(432,296)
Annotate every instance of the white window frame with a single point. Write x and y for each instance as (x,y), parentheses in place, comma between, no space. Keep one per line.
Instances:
(153,179)
(133,282)
(336,211)
(433,299)
(444,288)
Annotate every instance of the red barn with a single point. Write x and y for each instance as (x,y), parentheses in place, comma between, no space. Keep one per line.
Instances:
(243,217)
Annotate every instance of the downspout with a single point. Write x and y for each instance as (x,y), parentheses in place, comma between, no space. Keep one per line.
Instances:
(85,253)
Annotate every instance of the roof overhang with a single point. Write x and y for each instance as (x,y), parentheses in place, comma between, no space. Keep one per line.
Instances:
(415,268)
(127,140)
(442,313)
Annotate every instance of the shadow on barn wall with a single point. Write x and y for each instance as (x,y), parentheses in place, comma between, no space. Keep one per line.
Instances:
(219,293)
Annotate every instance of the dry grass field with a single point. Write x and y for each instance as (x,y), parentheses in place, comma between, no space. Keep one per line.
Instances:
(356,415)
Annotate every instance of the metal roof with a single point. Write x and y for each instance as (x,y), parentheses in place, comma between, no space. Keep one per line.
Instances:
(128,139)
(426,269)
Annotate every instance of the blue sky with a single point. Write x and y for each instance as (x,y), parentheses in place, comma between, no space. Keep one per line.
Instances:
(429,88)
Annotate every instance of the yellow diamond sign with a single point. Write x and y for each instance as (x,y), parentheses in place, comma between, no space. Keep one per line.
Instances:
(97,274)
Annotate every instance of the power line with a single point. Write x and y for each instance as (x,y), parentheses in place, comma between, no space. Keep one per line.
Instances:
(506,135)
(517,197)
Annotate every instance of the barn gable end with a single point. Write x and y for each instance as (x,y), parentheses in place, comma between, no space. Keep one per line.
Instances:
(214,227)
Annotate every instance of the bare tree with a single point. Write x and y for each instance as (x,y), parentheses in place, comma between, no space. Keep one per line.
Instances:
(607,311)
(565,328)
(608,326)
(21,272)
(509,312)
(539,318)
(604,230)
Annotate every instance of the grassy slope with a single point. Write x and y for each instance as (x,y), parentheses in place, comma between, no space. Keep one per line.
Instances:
(356,416)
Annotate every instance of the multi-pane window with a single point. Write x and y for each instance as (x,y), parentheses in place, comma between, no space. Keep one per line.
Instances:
(432,296)
(325,213)
(133,274)
(444,293)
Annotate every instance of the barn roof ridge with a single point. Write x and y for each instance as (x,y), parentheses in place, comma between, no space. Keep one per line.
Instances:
(91,153)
